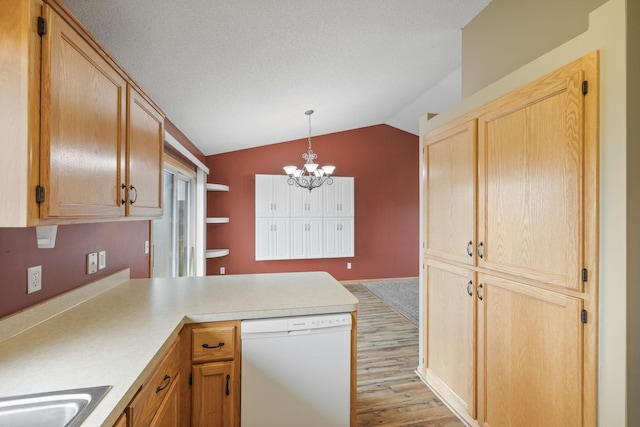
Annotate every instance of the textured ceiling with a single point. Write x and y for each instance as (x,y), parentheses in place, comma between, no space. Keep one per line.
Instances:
(235,74)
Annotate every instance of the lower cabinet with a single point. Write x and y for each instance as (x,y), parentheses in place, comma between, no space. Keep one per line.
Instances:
(530,355)
(213,394)
(450,361)
(158,401)
(215,357)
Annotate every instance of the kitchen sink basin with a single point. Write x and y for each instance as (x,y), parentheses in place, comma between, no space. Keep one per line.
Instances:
(65,408)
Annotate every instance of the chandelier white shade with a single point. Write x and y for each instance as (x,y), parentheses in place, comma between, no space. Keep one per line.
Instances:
(310,175)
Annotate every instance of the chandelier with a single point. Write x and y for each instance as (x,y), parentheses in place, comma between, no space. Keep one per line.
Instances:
(310,176)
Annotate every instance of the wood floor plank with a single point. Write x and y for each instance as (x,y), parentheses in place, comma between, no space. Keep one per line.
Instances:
(389,391)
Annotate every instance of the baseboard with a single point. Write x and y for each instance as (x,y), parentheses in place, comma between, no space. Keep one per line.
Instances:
(391,279)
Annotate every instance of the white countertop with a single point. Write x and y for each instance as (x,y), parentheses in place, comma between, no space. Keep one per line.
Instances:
(117,337)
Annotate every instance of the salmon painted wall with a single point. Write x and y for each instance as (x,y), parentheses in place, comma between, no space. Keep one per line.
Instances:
(384,162)
(64,267)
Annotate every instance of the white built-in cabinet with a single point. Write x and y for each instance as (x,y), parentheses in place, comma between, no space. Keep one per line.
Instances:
(273,231)
(295,223)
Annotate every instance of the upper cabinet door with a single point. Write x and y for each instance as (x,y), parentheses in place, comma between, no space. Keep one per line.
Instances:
(531,171)
(145,135)
(82,127)
(450,192)
(272,196)
(339,197)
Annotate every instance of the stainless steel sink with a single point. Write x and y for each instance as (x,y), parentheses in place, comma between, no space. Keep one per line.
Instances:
(65,408)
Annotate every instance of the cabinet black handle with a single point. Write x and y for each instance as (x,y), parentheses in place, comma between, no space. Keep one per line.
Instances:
(227,390)
(205,345)
(135,194)
(470,248)
(166,378)
(481,250)
(469,285)
(124,193)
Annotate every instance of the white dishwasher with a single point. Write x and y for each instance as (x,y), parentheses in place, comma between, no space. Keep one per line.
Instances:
(296,371)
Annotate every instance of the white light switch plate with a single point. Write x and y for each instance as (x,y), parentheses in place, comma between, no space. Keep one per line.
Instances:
(92,262)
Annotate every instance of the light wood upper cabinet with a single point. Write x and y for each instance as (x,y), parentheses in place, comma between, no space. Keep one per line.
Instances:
(450,192)
(145,129)
(83,127)
(531,171)
(76,127)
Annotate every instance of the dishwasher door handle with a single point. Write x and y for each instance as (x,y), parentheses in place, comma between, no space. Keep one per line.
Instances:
(299,332)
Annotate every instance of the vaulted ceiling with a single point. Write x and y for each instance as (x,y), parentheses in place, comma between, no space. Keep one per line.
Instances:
(234,74)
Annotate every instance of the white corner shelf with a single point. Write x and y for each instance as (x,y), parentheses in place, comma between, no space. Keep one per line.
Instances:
(217,220)
(216,253)
(217,187)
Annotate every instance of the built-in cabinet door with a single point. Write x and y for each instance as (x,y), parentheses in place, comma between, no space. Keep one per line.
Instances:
(530,355)
(450,309)
(306,238)
(531,157)
(305,202)
(338,197)
(145,136)
(272,238)
(215,391)
(272,196)
(83,120)
(338,237)
(450,192)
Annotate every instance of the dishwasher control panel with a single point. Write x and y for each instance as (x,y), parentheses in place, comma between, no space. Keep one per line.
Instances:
(296,323)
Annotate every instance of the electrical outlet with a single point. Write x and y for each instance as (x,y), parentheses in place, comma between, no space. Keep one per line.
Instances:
(146,247)
(102,260)
(34,279)
(92,262)
(348,266)
(222,270)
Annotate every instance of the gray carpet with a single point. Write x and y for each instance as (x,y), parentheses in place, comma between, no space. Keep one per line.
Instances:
(402,295)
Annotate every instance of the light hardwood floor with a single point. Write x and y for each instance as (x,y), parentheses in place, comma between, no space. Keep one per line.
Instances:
(389,391)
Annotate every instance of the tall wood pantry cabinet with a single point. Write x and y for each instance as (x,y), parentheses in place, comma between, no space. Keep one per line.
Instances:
(83,141)
(510,259)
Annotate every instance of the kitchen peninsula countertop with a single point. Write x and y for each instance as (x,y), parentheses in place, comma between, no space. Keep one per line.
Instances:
(118,336)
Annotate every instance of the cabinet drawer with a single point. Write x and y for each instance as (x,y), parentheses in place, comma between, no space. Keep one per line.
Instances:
(144,406)
(214,343)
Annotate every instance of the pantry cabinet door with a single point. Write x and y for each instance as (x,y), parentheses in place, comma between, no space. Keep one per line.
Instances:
(530,356)
(531,157)
(450,192)
(450,308)
(83,113)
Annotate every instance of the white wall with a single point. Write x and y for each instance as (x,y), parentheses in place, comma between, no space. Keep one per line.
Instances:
(607,33)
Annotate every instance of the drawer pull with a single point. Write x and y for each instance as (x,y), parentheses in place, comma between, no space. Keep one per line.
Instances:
(166,378)
(205,345)
(227,391)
